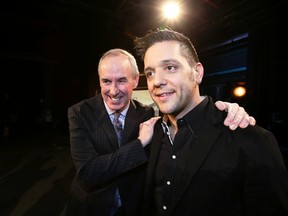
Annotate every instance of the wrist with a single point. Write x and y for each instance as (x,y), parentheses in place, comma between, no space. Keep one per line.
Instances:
(141,142)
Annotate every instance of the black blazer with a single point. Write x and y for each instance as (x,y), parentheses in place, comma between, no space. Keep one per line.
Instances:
(101,166)
(231,173)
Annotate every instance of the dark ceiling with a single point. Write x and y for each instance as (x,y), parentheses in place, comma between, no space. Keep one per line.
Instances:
(200,19)
(73,33)
(49,49)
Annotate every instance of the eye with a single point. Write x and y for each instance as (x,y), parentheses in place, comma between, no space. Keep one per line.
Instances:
(171,68)
(122,80)
(105,81)
(149,74)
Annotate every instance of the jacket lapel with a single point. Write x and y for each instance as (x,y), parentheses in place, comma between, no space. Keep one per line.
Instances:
(103,120)
(131,121)
(204,141)
(198,153)
(153,158)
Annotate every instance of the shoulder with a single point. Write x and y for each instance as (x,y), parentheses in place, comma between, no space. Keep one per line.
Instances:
(256,140)
(88,103)
(140,106)
(255,133)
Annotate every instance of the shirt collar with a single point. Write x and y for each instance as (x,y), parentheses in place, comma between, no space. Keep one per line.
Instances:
(194,118)
(111,112)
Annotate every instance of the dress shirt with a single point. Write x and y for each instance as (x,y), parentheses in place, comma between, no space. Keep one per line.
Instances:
(173,156)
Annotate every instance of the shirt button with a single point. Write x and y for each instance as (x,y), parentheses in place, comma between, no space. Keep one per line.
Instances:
(181,122)
(174,157)
(164,208)
(168,182)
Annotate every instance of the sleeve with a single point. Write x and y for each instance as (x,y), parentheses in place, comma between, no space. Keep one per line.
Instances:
(93,167)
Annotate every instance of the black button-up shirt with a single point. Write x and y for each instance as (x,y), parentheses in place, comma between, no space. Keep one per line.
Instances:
(173,156)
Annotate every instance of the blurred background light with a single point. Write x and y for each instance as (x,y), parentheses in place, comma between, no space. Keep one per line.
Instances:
(171,10)
(239,91)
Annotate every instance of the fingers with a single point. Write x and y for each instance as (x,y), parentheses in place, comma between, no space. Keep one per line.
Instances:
(220,105)
(232,109)
(245,121)
(236,115)
(146,130)
(252,120)
(151,122)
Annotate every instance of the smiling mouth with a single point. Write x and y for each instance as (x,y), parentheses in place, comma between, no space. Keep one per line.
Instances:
(115,98)
(164,94)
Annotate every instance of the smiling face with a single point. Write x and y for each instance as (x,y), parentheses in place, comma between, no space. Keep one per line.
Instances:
(171,81)
(116,81)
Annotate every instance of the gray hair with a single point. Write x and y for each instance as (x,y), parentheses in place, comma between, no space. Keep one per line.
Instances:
(117,52)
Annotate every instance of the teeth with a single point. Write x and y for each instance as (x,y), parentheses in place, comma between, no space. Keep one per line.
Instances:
(165,94)
(115,99)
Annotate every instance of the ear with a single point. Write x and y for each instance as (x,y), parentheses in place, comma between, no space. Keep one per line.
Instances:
(135,81)
(199,69)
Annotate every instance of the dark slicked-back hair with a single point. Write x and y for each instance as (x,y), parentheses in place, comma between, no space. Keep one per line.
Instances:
(160,35)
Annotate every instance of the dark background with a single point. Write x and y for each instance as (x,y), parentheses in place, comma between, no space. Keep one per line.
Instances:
(49,52)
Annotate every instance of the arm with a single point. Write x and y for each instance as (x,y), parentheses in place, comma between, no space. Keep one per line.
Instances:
(236,116)
(95,160)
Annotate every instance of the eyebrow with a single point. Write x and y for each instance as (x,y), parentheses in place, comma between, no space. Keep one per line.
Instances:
(170,61)
(165,62)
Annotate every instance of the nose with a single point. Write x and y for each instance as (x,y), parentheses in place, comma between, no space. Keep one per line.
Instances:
(159,79)
(114,90)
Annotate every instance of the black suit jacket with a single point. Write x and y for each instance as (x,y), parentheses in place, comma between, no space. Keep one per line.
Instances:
(231,173)
(101,166)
